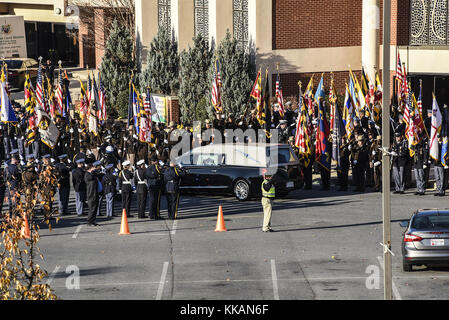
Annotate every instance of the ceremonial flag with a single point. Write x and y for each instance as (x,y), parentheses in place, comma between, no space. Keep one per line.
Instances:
(337,133)
(437,119)
(267,107)
(348,111)
(302,136)
(444,134)
(216,89)
(332,103)
(420,99)
(322,153)
(60,94)
(102,116)
(256,93)
(68,97)
(7,112)
(89,90)
(83,105)
(319,94)
(308,97)
(357,91)
(39,87)
(280,97)
(48,131)
(135,109)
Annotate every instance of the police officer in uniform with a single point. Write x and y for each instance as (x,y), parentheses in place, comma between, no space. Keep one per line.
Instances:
(345,162)
(79,185)
(126,178)
(360,161)
(154,176)
(268,195)
(439,172)
(400,154)
(13,178)
(376,161)
(172,180)
(418,162)
(92,192)
(109,187)
(141,188)
(63,184)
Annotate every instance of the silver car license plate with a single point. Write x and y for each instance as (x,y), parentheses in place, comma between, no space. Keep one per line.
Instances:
(437,242)
(290,184)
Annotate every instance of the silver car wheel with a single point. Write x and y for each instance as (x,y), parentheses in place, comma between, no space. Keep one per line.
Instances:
(241,190)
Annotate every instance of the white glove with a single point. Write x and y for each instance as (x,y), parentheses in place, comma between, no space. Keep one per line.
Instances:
(71,130)
(424,166)
(374,153)
(377,127)
(350,148)
(165,141)
(355,162)
(394,154)
(125,139)
(378,163)
(161,163)
(180,165)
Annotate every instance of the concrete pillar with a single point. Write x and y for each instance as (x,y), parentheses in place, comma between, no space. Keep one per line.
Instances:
(100,36)
(183,22)
(146,26)
(220,20)
(370,36)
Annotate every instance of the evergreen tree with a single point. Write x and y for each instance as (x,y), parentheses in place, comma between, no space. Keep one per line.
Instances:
(194,86)
(238,73)
(162,70)
(117,66)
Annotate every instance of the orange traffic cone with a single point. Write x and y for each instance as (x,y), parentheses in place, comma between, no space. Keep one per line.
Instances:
(25,231)
(124,228)
(220,221)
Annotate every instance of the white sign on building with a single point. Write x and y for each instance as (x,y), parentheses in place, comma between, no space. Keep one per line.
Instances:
(12,37)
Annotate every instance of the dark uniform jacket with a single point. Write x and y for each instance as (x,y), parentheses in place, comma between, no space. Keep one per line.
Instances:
(172,179)
(78,180)
(91,186)
(63,175)
(109,182)
(401,148)
(13,176)
(140,181)
(126,178)
(154,176)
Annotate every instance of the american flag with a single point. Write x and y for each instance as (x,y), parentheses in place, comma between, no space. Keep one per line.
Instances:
(280,97)
(39,87)
(408,108)
(420,99)
(399,74)
(216,89)
(145,120)
(89,90)
(60,94)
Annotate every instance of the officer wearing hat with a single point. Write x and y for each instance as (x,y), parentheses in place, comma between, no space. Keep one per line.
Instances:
(418,162)
(376,161)
(126,185)
(92,192)
(13,178)
(109,185)
(439,171)
(268,196)
(360,160)
(140,181)
(399,159)
(172,180)
(79,185)
(283,131)
(63,184)
(154,179)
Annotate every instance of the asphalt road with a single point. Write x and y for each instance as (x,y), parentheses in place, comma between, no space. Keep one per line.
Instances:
(326,246)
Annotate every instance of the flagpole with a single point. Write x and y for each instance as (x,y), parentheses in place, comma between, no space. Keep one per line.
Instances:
(386,198)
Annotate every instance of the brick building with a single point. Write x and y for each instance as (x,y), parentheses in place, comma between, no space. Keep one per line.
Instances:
(308,37)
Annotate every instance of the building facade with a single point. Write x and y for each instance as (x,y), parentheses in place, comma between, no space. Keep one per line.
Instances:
(306,37)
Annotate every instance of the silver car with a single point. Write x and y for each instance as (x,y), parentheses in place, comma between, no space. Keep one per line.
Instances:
(426,238)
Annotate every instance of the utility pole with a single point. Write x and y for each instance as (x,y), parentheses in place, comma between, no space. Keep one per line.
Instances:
(386,201)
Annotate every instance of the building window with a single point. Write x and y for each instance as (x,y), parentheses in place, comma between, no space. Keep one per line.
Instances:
(202,18)
(240,10)
(429,22)
(164,16)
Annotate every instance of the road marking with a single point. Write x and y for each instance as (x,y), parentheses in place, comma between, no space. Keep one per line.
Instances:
(175,225)
(75,235)
(52,275)
(160,290)
(274,278)
(395,289)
